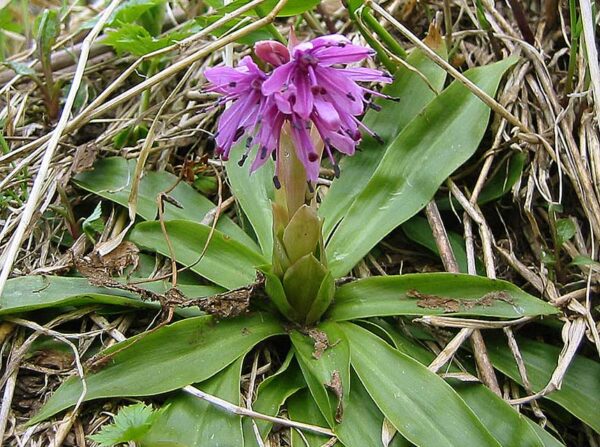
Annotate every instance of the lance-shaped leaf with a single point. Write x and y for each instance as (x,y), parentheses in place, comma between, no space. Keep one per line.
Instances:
(112,177)
(302,234)
(363,422)
(303,408)
(189,351)
(192,422)
(226,261)
(413,93)
(505,423)
(253,192)
(580,390)
(422,407)
(271,394)
(324,358)
(440,139)
(303,281)
(28,293)
(434,294)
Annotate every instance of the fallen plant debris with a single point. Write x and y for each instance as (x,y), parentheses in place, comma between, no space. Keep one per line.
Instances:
(455,305)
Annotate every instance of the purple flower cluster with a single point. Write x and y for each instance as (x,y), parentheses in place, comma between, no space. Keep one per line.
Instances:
(305,89)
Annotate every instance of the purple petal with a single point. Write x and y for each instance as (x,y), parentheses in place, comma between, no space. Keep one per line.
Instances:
(341,55)
(366,75)
(224,79)
(345,93)
(304,96)
(268,138)
(234,118)
(283,102)
(278,79)
(327,112)
(330,40)
(273,52)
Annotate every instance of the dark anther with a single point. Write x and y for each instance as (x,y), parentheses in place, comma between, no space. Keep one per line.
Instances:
(242,160)
(276,182)
(393,98)
(232,84)
(336,170)
(350,97)
(238,133)
(263,152)
(378,138)
(312,157)
(249,142)
(311,188)
(374,106)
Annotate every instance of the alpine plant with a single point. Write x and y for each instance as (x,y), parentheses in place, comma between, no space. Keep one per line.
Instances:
(307,90)
(306,107)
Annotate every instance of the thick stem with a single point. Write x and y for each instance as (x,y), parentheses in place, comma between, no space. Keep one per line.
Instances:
(291,175)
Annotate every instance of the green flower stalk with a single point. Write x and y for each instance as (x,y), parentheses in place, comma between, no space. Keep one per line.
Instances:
(298,281)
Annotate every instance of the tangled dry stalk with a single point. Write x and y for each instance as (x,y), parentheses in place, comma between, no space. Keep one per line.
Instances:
(536,113)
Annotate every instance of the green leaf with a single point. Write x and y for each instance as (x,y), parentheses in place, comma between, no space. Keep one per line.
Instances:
(271,395)
(508,426)
(322,300)
(363,422)
(20,68)
(291,8)
(8,21)
(131,10)
(422,407)
(565,230)
(160,361)
(253,192)
(418,230)
(111,178)
(504,179)
(131,424)
(192,422)
(434,294)
(302,234)
(226,262)
(48,28)
(547,439)
(302,283)
(584,260)
(274,290)
(413,94)
(93,224)
(135,39)
(27,293)
(302,408)
(440,139)
(324,358)
(580,390)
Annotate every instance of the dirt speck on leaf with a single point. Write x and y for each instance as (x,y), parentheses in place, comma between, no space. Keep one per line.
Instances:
(320,340)
(449,305)
(335,385)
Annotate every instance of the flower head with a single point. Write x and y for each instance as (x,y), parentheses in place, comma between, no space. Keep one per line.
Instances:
(305,89)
